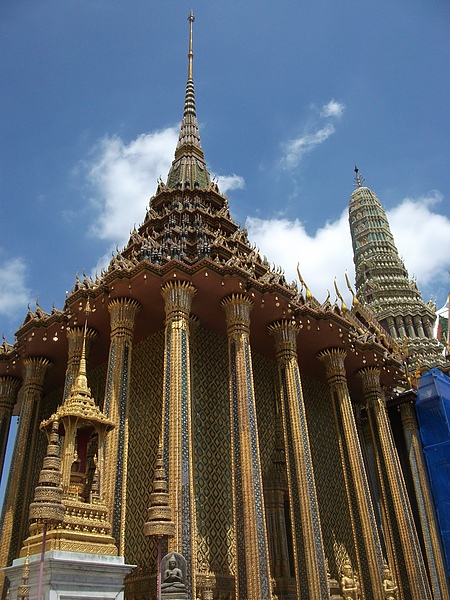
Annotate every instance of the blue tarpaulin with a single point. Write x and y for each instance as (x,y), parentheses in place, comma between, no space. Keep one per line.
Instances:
(433,415)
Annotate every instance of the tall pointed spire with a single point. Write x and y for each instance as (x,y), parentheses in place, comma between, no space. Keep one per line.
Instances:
(188,169)
(383,284)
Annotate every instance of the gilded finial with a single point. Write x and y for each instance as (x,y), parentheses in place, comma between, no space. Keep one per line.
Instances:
(302,282)
(191,20)
(344,307)
(355,300)
(358,179)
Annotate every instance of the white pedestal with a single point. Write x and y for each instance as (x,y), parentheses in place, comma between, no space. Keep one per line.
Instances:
(72,576)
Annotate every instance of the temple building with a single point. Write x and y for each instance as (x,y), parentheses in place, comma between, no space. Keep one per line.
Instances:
(194,426)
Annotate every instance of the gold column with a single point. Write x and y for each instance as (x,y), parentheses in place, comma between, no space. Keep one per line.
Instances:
(433,549)
(275,491)
(252,558)
(15,524)
(391,476)
(9,386)
(75,339)
(177,423)
(370,562)
(114,489)
(309,557)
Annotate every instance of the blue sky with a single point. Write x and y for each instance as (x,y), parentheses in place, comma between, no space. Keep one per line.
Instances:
(290,95)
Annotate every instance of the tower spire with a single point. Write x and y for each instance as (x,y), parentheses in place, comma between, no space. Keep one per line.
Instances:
(188,168)
(191,20)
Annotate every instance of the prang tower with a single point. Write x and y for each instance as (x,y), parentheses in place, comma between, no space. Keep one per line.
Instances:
(383,283)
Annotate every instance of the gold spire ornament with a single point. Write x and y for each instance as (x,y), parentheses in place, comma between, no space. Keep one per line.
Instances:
(159,522)
(47,506)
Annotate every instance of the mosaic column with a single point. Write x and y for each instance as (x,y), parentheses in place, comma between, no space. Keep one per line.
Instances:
(177,423)
(360,503)
(9,386)
(75,338)
(433,549)
(114,486)
(15,522)
(275,491)
(309,557)
(252,558)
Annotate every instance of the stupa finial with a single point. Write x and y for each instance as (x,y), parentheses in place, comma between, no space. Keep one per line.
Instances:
(358,179)
(191,20)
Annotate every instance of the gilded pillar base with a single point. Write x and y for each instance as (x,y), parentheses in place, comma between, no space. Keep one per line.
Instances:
(86,528)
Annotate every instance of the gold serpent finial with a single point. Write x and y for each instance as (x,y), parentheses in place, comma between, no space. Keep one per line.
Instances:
(355,300)
(344,307)
(302,282)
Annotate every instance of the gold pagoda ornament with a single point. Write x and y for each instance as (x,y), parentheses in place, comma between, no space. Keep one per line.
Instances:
(69,493)
(47,507)
(159,524)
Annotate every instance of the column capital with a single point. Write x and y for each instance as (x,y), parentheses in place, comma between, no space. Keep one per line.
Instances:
(370,377)
(123,313)
(75,337)
(178,297)
(371,385)
(408,416)
(333,359)
(237,309)
(285,333)
(35,369)
(9,386)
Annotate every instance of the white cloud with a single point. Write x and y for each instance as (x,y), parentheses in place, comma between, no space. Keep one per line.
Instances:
(332,109)
(422,238)
(297,148)
(229,183)
(124,176)
(14,294)
(321,257)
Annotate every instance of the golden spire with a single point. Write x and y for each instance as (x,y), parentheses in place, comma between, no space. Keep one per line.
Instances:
(47,506)
(80,403)
(188,169)
(191,20)
(159,522)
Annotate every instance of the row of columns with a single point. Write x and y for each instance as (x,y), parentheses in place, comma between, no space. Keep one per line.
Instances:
(253,579)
